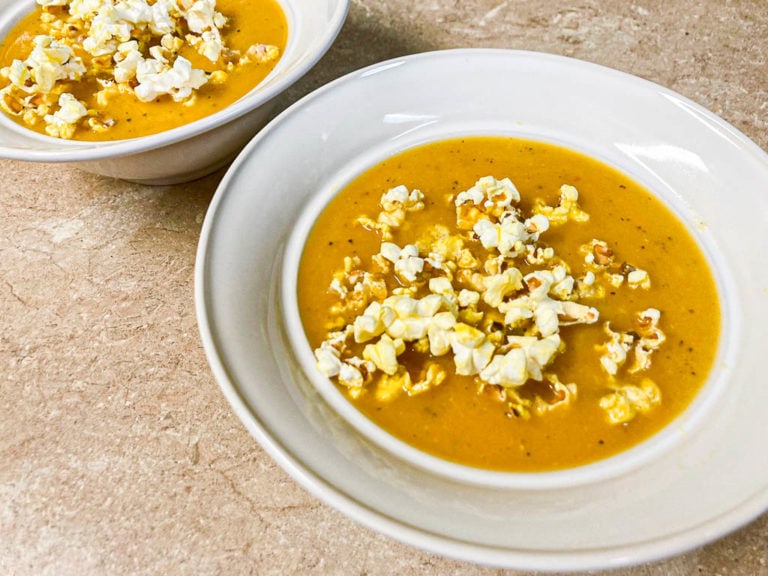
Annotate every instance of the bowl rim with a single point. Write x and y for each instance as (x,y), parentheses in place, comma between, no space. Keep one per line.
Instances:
(280,78)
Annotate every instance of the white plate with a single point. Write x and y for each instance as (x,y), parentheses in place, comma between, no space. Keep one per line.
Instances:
(713,176)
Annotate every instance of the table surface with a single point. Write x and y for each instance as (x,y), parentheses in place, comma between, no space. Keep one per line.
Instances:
(119,454)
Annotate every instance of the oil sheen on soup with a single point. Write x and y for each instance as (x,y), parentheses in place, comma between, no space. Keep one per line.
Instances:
(508,304)
(116,69)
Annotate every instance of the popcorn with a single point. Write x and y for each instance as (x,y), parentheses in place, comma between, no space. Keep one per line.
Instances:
(370,323)
(261,53)
(384,354)
(507,370)
(507,236)
(622,405)
(487,198)
(49,62)
(350,376)
(156,79)
(208,44)
(127,58)
(409,328)
(83,10)
(408,264)
(536,255)
(162,21)
(494,195)
(536,225)
(651,338)
(597,253)
(107,31)
(443,286)
(61,124)
(402,317)
(469,298)
(395,203)
(575,313)
(134,11)
(434,375)
(565,395)
(471,350)
(639,279)
(518,311)
(546,317)
(644,340)
(568,208)
(615,350)
(599,258)
(498,286)
(328,360)
(525,360)
(440,333)
(390,386)
(399,197)
(202,16)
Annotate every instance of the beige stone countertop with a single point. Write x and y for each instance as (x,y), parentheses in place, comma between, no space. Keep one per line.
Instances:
(119,454)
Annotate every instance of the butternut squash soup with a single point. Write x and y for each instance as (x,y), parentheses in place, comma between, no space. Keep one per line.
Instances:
(508,304)
(115,69)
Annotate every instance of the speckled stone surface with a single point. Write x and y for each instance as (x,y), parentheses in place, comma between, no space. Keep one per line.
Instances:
(119,454)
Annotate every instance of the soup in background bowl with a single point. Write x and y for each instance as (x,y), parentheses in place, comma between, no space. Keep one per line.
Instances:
(111,71)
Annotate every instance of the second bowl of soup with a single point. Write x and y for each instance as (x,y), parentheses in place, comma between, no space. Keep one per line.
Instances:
(156,92)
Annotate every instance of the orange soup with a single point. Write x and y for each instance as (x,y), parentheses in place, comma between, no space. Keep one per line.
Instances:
(110,70)
(508,304)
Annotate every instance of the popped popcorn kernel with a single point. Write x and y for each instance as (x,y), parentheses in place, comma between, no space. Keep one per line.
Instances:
(408,263)
(384,354)
(642,341)
(61,124)
(567,209)
(627,401)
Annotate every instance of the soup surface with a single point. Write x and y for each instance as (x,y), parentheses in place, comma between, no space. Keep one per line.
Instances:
(116,69)
(508,304)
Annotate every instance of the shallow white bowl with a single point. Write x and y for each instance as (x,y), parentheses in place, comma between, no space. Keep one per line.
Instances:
(702,477)
(504,123)
(198,148)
